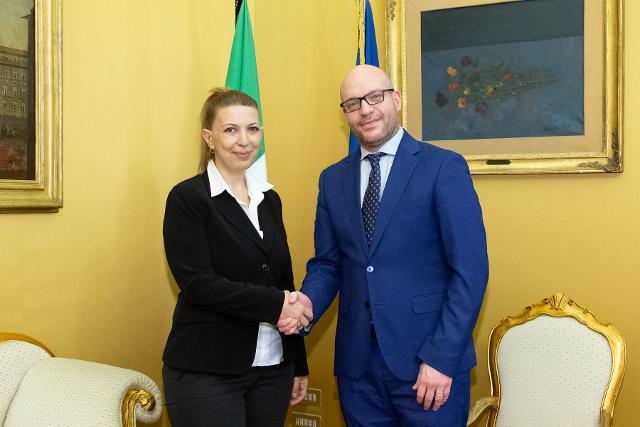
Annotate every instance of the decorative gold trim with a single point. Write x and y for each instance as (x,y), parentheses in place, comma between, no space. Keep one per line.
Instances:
(608,159)
(559,305)
(135,396)
(361,31)
(614,163)
(391,6)
(558,301)
(45,192)
(396,38)
(10,336)
(481,406)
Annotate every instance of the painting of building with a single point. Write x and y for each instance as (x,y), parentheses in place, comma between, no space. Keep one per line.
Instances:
(17,91)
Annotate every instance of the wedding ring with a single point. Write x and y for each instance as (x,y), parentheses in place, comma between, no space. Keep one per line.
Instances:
(299,325)
(439,395)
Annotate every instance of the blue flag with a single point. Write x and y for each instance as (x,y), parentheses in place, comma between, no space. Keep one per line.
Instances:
(370,49)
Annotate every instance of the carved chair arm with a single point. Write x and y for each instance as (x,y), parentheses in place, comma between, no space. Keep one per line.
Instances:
(483,404)
(65,392)
(605,418)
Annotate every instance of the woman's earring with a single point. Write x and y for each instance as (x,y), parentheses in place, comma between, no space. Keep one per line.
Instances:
(211,150)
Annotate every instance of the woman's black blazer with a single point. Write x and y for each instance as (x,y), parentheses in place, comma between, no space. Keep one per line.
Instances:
(229,278)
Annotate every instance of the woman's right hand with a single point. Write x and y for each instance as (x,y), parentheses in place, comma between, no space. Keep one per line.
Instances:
(295,314)
(299,389)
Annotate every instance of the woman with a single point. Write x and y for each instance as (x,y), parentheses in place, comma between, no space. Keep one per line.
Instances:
(225,363)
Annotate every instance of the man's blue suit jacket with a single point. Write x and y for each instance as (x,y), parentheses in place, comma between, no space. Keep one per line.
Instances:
(422,281)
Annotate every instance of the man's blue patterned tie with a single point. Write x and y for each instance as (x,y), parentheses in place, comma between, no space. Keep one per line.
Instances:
(371,201)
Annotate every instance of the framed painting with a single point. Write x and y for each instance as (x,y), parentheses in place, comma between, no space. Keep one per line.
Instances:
(517,86)
(30,105)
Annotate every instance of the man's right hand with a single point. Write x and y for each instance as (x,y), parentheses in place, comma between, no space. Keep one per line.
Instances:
(301,307)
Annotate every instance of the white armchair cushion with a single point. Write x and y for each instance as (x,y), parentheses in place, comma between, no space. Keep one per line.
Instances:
(553,373)
(16,358)
(66,393)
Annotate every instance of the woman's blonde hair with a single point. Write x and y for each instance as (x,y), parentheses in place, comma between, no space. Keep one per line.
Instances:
(220,97)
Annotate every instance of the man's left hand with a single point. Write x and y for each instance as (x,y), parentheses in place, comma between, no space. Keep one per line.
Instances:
(432,386)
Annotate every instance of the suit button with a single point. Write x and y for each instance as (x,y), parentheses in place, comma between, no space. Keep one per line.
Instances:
(265,267)
(370,269)
(366,304)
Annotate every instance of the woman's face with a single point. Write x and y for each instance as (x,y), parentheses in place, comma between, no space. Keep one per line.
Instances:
(235,137)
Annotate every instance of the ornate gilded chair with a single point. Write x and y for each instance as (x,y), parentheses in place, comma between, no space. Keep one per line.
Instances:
(553,365)
(37,389)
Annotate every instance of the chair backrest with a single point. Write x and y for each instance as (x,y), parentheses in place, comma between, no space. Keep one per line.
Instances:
(554,365)
(18,353)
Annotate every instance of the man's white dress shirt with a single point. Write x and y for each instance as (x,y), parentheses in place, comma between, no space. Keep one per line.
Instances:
(389,148)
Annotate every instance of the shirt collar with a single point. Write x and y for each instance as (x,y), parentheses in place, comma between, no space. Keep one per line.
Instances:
(390,147)
(255,185)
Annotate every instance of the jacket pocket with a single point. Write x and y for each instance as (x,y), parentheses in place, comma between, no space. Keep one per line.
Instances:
(427,303)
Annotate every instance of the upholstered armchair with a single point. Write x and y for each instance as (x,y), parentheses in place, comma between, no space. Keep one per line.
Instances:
(37,389)
(553,365)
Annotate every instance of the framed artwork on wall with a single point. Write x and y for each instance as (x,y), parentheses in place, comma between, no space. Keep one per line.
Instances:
(516,87)
(30,105)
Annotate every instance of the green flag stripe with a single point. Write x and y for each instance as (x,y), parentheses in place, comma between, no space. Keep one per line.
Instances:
(242,73)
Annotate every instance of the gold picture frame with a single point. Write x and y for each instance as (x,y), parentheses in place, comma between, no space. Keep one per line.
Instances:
(42,189)
(598,149)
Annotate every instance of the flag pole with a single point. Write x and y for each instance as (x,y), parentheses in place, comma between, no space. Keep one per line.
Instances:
(238,6)
(361,32)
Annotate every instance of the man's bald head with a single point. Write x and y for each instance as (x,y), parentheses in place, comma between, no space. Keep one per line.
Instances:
(377,119)
(364,73)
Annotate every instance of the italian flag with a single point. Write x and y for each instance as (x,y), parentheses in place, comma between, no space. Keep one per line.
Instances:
(242,75)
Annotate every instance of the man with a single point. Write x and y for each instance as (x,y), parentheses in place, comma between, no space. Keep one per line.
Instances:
(399,233)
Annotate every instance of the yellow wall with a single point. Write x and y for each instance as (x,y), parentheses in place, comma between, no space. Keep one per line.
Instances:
(91,281)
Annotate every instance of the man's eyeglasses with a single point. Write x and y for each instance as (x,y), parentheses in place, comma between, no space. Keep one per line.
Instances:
(372,98)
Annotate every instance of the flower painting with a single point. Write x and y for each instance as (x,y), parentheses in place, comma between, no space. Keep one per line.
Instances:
(492,85)
(505,70)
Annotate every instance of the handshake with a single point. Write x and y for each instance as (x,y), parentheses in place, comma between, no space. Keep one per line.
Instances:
(297,313)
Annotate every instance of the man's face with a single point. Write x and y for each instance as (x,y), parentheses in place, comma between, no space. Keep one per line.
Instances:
(373,125)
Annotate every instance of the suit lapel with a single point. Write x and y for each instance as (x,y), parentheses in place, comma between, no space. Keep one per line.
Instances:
(401,170)
(231,210)
(267,222)
(351,188)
